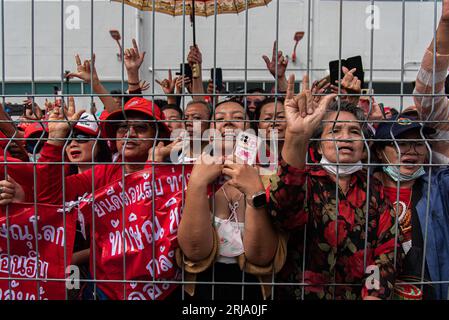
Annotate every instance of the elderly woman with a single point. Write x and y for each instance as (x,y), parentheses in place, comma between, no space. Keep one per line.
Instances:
(230,230)
(403,150)
(341,226)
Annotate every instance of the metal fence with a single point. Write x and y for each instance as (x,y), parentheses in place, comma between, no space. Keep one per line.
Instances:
(137,270)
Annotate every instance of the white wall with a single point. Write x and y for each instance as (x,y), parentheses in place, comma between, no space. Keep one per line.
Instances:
(230,53)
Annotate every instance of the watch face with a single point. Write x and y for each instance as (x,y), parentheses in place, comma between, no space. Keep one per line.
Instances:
(260,201)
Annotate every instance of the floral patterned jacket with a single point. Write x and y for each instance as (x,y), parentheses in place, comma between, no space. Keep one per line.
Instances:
(304,203)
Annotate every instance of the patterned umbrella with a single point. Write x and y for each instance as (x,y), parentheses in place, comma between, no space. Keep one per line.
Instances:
(202,8)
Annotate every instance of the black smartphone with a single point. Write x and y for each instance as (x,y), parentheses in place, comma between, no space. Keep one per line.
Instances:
(356,62)
(382,109)
(217,74)
(335,71)
(336,74)
(185,69)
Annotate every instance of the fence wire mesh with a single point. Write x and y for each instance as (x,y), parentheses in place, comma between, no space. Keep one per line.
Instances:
(246,185)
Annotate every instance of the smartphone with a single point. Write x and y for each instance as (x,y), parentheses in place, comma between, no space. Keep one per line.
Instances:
(187,70)
(382,109)
(336,74)
(356,62)
(246,147)
(217,75)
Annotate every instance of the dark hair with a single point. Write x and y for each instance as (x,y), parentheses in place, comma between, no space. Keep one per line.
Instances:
(170,106)
(343,106)
(160,103)
(255,90)
(116,93)
(204,103)
(103,155)
(240,98)
(261,104)
(36,140)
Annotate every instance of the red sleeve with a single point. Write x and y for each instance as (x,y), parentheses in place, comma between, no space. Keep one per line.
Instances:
(288,197)
(21,172)
(50,178)
(384,254)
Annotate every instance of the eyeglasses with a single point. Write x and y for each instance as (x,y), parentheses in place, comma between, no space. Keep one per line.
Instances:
(406,146)
(81,137)
(139,128)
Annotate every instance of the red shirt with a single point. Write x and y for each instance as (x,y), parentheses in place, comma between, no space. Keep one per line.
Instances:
(21,172)
(304,203)
(405,212)
(76,185)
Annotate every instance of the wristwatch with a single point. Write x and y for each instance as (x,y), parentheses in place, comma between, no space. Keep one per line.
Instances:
(257,200)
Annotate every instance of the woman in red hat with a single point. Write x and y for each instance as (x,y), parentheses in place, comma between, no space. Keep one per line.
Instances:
(84,147)
(132,133)
(132,138)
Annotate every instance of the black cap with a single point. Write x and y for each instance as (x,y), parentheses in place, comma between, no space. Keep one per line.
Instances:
(399,125)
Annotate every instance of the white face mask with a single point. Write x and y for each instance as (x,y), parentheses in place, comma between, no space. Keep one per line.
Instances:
(394,172)
(342,170)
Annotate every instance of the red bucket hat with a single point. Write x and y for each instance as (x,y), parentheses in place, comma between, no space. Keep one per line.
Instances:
(137,104)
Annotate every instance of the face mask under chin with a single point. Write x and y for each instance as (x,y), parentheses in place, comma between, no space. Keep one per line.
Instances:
(394,172)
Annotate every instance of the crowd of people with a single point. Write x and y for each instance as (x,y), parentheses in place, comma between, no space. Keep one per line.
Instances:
(356,208)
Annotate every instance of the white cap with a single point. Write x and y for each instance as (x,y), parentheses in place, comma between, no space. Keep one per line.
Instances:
(87,124)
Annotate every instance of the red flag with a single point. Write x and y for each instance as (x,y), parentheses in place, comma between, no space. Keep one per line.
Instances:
(26,261)
(136,226)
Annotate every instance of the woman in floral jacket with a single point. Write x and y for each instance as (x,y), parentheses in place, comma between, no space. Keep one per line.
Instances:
(342,229)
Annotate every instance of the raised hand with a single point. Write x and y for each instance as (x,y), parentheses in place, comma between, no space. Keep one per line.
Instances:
(210,87)
(168,85)
(183,81)
(133,58)
(206,169)
(59,124)
(303,114)
(244,177)
(445,13)
(349,84)
(162,151)
(194,56)
(319,87)
(11,191)
(282,63)
(144,86)
(31,113)
(84,70)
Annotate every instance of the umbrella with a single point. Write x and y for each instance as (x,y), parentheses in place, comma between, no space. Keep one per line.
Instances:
(194,8)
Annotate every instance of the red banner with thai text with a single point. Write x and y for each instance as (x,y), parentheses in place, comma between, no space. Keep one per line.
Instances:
(135,237)
(36,249)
